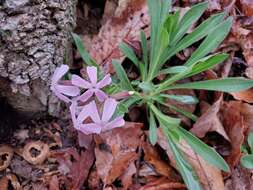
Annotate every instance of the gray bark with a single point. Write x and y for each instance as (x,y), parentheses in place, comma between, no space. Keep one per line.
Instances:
(34,39)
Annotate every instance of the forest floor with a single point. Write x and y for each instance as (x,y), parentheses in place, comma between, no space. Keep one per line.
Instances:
(46,154)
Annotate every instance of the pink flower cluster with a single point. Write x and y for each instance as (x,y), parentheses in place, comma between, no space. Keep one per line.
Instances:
(82,107)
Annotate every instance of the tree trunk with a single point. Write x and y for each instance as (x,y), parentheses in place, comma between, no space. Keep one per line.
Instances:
(34,40)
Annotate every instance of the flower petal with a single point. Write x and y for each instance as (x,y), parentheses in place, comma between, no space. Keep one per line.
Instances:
(90,128)
(90,110)
(68,90)
(85,96)
(104,82)
(73,108)
(59,73)
(117,122)
(60,96)
(100,95)
(92,73)
(109,109)
(78,81)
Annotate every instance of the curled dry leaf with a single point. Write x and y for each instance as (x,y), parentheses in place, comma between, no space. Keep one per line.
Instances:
(10,181)
(127,177)
(247,7)
(246,95)
(209,176)
(76,166)
(116,150)
(6,154)
(210,122)
(35,152)
(161,167)
(129,18)
(162,184)
(241,179)
(54,183)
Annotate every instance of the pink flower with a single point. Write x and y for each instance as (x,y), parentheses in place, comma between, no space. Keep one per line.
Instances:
(62,91)
(99,124)
(93,87)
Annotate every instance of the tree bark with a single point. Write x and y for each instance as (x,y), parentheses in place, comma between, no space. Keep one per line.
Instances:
(34,40)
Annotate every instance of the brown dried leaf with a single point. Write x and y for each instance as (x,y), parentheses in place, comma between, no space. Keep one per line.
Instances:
(116,150)
(210,121)
(130,16)
(247,7)
(54,183)
(127,177)
(246,95)
(163,184)
(77,170)
(153,158)
(241,179)
(209,176)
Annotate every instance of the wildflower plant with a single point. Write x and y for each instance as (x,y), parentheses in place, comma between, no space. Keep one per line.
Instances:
(169,35)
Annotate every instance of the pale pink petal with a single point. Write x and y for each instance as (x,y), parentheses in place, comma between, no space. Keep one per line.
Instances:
(92,72)
(68,90)
(90,128)
(117,122)
(109,109)
(90,110)
(85,96)
(100,95)
(61,96)
(59,73)
(93,110)
(104,82)
(78,81)
(73,108)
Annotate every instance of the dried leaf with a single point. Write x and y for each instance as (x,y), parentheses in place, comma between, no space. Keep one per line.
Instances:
(247,7)
(209,176)
(126,178)
(6,154)
(210,121)
(129,17)
(116,150)
(163,184)
(246,95)
(54,183)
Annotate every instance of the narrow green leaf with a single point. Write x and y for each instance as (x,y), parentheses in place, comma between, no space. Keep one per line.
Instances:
(250,142)
(129,52)
(198,33)
(124,81)
(190,17)
(167,119)
(247,161)
(207,153)
(124,105)
(233,84)
(181,98)
(173,70)
(144,48)
(81,49)
(212,41)
(208,64)
(188,175)
(152,129)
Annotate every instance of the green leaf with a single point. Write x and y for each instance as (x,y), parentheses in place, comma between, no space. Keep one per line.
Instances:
(158,11)
(124,105)
(189,19)
(144,48)
(181,98)
(198,33)
(186,171)
(171,24)
(207,153)
(173,70)
(250,142)
(146,86)
(247,161)
(152,129)
(209,63)
(212,41)
(166,119)
(233,84)
(84,54)
(124,81)
(129,52)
